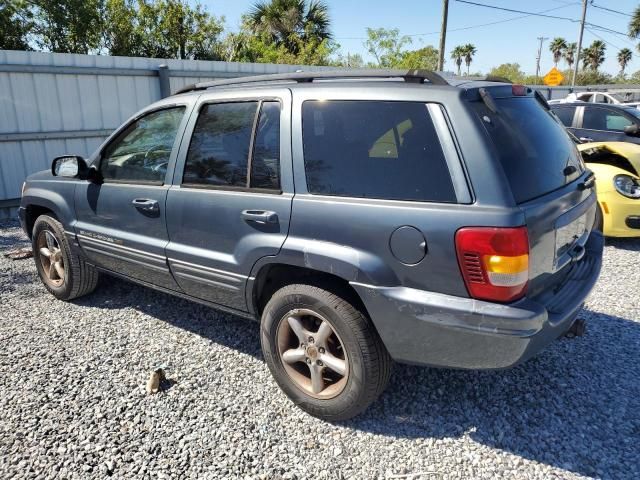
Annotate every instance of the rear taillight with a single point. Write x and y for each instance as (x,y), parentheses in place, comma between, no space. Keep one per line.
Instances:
(494,262)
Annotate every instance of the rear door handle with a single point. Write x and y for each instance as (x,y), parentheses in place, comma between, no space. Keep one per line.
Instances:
(260,216)
(586,139)
(145,204)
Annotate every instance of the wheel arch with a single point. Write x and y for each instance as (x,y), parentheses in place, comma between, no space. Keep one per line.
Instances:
(273,275)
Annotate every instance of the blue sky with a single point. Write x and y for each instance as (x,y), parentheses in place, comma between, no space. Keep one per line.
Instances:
(510,41)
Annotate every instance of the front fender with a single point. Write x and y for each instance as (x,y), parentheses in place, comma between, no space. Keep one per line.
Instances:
(56,196)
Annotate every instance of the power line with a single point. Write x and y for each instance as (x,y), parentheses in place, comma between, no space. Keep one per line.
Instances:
(612,10)
(555,17)
(601,38)
(469,27)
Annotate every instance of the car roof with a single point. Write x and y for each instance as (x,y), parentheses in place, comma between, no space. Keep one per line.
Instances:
(340,77)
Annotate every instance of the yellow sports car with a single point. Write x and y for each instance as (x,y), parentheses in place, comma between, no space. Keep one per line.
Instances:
(617,169)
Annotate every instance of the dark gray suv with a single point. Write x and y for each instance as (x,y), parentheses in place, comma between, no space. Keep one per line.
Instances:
(359,216)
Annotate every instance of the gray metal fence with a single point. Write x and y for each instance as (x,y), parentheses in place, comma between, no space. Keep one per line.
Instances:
(53,103)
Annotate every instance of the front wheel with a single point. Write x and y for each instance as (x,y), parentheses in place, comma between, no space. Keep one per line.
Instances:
(65,274)
(324,353)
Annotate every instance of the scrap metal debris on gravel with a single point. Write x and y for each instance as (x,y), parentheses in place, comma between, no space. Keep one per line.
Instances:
(74,403)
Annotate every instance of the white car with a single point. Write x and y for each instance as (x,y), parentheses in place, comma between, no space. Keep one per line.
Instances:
(599,97)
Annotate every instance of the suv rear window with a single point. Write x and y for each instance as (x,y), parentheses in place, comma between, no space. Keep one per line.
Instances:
(532,146)
(374,149)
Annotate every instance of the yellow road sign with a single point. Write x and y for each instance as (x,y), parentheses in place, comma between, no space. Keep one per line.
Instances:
(553,78)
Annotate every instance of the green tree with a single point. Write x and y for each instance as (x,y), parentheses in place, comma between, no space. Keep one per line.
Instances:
(457,54)
(174,29)
(121,35)
(634,23)
(557,47)
(15,25)
(72,26)
(594,55)
(424,58)
(510,71)
(290,23)
(386,46)
(351,60)
(624,57)
(469,51)
(246,46)
(569,54)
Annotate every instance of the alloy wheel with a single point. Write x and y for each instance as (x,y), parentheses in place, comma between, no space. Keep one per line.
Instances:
(312,353)
(51,258)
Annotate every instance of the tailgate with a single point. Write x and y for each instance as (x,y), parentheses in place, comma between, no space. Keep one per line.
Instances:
(559,225)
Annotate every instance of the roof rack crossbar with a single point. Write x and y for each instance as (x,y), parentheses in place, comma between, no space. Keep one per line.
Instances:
(409,76)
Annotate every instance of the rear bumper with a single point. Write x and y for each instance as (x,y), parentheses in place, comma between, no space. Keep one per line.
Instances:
(428,328)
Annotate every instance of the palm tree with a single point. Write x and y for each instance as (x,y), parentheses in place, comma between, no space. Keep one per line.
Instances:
(557,46)
(624,57)
(594,55)
(285,21)
(457,54)
(634,24)
(469,50)
(569,54)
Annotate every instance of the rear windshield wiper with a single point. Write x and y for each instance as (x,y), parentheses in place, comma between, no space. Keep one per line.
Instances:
(488,99)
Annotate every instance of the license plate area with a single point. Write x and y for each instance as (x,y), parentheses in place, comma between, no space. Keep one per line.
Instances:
(569,235)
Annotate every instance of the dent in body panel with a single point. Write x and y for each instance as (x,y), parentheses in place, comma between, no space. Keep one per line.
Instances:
(448,311)
(346,262)
(340,260)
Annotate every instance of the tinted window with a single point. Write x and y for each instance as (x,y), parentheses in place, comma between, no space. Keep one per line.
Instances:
(219,149)
(565,114)
(265,164)
(374,150)
(142,151)
(603,119)
(532,145)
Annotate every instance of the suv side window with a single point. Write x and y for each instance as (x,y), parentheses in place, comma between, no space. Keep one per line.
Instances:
(374,149)
(603,119)
(141,152)
(221,150)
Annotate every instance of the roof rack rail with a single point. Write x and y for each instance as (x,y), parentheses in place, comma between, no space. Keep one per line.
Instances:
(409,76)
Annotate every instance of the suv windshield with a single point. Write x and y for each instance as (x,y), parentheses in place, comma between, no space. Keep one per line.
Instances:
(532,146)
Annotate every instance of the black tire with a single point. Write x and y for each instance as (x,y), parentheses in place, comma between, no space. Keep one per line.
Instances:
(80,278)
(598,223)
(369,364)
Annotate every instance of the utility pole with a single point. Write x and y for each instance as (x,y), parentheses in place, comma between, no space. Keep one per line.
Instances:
(577,59)
(443,34)
(542,39)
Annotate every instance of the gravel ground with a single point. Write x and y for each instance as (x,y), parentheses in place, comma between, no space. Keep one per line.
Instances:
(73,404)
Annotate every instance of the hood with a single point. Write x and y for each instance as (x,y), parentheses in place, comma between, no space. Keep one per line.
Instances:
(630,151)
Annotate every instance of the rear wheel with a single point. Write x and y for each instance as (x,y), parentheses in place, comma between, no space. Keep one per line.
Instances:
(64,274)
(323,352)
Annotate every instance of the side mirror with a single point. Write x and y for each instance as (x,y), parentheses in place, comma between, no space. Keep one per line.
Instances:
(632,130)
(74,166)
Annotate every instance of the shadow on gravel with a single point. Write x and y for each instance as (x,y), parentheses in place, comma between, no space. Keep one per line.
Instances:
(222,328)
(632,244)
(575,406)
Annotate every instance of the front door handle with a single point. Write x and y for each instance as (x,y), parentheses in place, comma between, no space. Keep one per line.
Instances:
(260,216)
(146,204)
(586,139)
